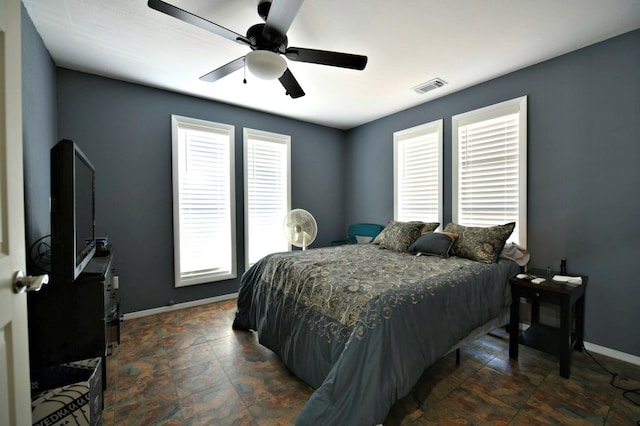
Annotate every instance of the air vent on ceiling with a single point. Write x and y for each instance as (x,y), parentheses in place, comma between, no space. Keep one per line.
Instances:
(429,85)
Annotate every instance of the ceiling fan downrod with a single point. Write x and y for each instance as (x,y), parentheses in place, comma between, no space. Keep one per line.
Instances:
(263,9)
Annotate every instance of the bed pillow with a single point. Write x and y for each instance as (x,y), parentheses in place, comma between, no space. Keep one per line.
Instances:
(399,236)
(479,243)
(430,227)
(363,239)
(383,234)
(426,227)
(434,244)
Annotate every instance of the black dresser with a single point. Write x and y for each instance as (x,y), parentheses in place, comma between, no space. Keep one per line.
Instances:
(71,321)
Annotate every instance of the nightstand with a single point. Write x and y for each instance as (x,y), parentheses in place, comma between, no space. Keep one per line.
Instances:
(553,340)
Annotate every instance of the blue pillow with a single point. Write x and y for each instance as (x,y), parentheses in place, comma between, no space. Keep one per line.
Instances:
(433,244)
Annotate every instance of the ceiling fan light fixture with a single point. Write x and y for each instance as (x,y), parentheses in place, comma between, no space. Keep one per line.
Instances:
(265,64)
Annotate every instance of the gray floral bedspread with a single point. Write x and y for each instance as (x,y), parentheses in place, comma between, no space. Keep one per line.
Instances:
(360,324)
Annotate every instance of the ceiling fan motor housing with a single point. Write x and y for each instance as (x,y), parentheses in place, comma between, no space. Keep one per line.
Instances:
(268,39)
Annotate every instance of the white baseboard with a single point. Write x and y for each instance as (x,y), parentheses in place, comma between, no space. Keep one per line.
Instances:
(622,356)
(163,309)
(549,315)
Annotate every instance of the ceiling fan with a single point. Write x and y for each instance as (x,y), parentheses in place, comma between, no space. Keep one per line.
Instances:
(267,41)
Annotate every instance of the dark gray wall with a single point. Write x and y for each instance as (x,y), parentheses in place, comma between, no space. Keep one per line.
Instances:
(583,172)
(39,132)
(584,148)
(125,130)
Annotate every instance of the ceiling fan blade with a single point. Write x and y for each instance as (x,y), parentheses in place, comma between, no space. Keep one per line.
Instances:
(192,19)
(281,15)
(323,57)
(224,70)
(291,85)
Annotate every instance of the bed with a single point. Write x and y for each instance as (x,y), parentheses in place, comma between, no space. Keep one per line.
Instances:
(360,323)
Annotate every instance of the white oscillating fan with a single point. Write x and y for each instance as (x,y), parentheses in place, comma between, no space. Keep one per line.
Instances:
(300,228)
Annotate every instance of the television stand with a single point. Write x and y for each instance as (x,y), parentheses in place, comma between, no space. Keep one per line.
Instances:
(71,321)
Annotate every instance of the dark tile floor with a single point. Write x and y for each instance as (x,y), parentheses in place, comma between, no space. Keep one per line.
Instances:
(188,367)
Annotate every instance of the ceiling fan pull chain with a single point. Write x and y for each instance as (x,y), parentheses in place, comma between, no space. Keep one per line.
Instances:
(244,68)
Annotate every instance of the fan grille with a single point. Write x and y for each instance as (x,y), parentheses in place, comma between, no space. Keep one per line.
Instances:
(300,228)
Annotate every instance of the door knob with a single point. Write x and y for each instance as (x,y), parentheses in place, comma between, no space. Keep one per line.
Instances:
(22,283)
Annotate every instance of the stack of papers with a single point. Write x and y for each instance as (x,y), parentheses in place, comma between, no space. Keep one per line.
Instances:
(567,279)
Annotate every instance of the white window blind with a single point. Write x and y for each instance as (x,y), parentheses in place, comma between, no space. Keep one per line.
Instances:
(418,173)
(489,178)
(267,158)
(203,201)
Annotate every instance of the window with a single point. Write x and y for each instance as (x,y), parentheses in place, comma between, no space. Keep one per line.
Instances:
(203,201)
(267,180)
(417,159)
(490,167)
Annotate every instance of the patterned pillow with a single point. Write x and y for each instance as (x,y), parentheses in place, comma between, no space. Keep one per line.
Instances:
(430,227)
(383,234)
(434,244)
(479,243)
(379,239)
(400,235)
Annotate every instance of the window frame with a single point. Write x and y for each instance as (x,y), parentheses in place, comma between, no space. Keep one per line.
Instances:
(179,123)
(399,137)
(512,106)
(268,137)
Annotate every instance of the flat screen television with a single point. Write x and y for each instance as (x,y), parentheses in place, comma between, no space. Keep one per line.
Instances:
(73,242)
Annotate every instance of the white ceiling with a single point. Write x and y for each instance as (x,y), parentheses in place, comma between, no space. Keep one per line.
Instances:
(408,42)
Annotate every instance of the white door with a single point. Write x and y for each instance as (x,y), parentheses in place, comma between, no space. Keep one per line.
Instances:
(15,405)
